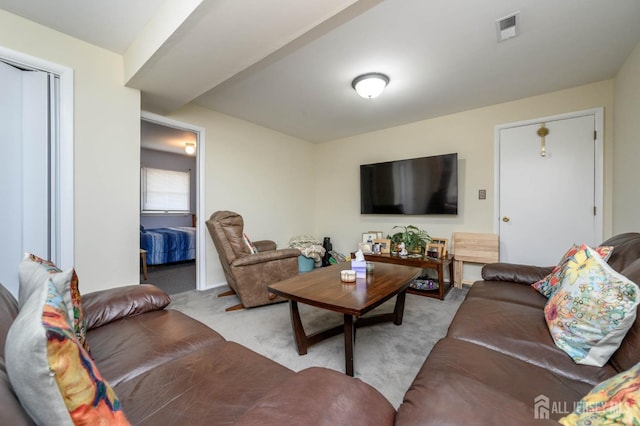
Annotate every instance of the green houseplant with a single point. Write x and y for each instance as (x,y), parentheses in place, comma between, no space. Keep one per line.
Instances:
(415,239)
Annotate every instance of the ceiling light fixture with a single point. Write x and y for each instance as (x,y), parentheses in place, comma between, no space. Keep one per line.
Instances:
(190,148)
(370,85)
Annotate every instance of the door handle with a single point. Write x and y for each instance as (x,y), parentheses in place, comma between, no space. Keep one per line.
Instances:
(506,219)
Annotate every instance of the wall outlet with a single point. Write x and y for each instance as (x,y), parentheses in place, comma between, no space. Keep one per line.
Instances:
(482,194)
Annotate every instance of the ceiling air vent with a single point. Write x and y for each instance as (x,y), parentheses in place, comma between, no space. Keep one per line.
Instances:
(507,27)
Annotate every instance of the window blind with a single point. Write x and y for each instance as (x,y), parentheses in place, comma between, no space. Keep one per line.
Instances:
(164,191)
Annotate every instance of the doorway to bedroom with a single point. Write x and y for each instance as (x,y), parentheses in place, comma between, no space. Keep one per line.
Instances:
(169,202)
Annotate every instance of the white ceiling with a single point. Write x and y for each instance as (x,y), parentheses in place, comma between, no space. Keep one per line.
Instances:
(288,64)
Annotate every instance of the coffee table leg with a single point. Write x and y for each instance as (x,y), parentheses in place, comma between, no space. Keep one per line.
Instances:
(398,312)
(349,339)
(298,329)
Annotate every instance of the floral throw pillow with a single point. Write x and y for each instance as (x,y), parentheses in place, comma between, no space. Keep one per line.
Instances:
(592,310)
(549,284)
(32,271)
(614,401)
(55,379)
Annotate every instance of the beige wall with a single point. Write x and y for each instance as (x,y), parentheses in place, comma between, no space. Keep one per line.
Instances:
(470,134)
(264,175)
(106,152)
(626,153)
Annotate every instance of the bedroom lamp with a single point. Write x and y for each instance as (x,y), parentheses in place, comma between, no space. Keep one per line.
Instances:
(190,148)
(370,85)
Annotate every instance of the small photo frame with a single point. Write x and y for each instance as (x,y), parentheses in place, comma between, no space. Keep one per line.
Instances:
(369,236)
(430,249)
(385,245)
(443,243)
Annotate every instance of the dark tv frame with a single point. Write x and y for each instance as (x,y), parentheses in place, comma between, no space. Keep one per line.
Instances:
(441,198)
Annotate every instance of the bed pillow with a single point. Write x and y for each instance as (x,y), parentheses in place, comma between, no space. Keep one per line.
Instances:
(33,271)
(549,284)
(592,310)
(55,379)
(614,401)
(249,244)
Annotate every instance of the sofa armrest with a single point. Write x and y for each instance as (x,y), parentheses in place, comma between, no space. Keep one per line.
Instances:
(103,307)
(320,396)
(512,272)
(266,256)
(265,245)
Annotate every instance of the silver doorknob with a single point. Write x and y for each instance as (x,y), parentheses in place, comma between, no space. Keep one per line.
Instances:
(506,219)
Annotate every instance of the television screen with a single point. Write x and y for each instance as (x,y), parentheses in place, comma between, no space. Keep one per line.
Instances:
(427,185)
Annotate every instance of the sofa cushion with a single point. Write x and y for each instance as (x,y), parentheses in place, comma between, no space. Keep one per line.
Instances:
(548,285)
(51,373)
(103,307)
(614,401)
(464,383)
(507,292)
(33,271)
(629,351)
(592,310)
(212,385)
(337,400)
(519,331)
(131,346)
(249,244)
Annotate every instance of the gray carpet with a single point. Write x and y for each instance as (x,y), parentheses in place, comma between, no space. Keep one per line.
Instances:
(173,278)
(386,356)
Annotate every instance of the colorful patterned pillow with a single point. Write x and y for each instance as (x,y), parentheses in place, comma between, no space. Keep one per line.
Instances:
(614,401)
(55,379)
(249,244)
(549,284)
(34,270)
(592,310)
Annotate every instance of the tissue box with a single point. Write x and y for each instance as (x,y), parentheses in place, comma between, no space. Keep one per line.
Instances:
(360,266)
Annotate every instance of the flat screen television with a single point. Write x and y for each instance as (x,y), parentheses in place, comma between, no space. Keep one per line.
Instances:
(417,186)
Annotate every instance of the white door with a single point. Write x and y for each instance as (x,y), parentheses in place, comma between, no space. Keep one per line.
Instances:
(24,169)
(548,189)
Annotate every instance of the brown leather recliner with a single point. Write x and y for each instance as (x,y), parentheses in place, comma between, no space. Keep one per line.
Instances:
(249,274)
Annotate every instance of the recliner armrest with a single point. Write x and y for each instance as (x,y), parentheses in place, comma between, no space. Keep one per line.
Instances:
(266,256)
(103,307)
(512,272)
(265,245)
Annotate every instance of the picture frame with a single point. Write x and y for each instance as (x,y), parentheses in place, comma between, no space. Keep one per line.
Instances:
(385,245)
(379,234)
(443,243)
(437,246)
(371,235)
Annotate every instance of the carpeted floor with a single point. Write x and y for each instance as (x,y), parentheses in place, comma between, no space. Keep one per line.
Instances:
(173,278)
(386,356)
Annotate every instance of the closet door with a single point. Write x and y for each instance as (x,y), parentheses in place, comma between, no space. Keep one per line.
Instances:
(24,169)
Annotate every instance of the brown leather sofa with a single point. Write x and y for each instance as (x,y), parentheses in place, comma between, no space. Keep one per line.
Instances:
(169,369)
(496,359)
(248,274)
(498,356)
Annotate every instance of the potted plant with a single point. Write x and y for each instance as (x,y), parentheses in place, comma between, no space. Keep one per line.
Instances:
(415,239)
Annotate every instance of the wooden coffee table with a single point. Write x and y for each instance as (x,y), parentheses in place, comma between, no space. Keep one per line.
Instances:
(324,289)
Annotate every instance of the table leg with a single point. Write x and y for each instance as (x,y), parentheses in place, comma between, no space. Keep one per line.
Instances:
(398,311)
(349,340)
(298,329)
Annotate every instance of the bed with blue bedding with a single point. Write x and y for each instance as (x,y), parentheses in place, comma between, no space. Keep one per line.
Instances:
(168,245)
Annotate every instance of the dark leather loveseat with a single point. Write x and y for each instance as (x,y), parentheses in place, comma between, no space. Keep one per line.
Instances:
(498,360)
(168,368)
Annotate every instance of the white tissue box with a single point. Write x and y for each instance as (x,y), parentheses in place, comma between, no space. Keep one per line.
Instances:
(360,266)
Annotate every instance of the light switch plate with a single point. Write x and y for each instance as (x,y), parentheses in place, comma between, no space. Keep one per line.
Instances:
(482,194)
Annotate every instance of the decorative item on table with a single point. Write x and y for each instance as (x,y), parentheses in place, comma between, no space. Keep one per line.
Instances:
(359,265)
(433,251)
(348,276)
(385,245)
(370,267)
(402,250)
(415,239)
(443,243)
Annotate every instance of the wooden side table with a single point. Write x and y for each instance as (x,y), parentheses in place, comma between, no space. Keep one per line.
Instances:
(143,258)
(423,262)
